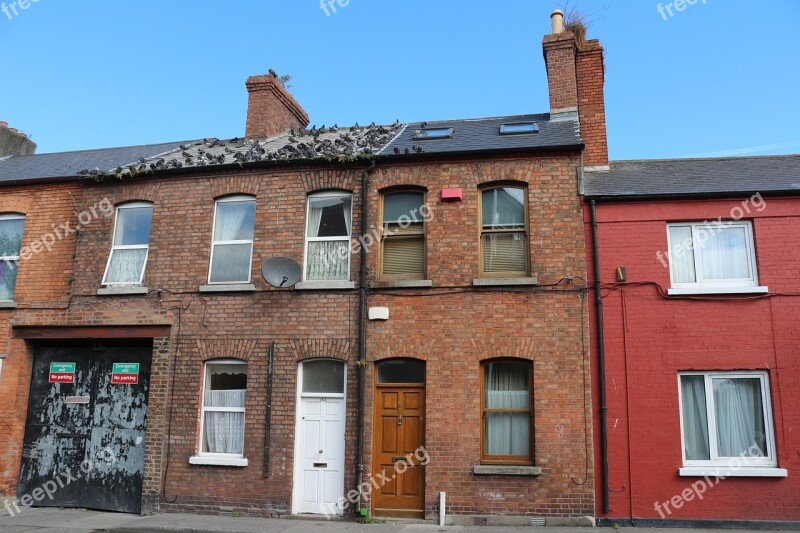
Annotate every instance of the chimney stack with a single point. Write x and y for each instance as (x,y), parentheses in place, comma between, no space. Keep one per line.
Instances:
(271,110)
(12,142)
(575,76)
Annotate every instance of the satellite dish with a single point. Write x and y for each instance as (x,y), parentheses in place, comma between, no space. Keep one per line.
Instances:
(281,272)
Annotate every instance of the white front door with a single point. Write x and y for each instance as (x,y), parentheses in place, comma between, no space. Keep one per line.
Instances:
(319,449)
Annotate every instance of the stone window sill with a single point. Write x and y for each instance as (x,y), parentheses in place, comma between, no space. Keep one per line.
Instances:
(506,470)
(116,290)
(217,461)
(725,471)
(324,285)
(8,304)
(717,290)
(237,287)
(402,284)
(503,282)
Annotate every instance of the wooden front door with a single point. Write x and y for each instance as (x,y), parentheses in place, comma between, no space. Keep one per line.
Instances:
(398,475)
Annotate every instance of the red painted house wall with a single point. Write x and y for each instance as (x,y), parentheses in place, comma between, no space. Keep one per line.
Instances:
(649,338)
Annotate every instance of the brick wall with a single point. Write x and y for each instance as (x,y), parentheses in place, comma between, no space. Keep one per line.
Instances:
(649,339)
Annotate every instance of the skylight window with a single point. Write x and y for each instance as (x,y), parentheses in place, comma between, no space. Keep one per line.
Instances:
(519,127)
(434,133)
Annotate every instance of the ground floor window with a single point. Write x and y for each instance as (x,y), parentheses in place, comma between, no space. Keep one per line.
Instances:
(726,415)
(224,391)
(506,412)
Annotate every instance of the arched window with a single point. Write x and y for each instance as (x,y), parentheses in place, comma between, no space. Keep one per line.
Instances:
(328,230)
(506,412)
(223,408)
(504,231)
(130,245)
(232,241)
(402,236)
(11,227)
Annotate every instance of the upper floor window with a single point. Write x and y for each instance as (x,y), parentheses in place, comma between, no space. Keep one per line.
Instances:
(506,412)
(712,255)
(129,249)
(10,243)
(328,230)
(726,416)
(403,236)
(504,232)
(232,246)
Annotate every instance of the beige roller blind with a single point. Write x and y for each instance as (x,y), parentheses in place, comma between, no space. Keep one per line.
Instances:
(404,254)
(504,252)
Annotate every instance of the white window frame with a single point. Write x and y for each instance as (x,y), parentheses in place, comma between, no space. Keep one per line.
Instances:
(13,258)
(145,247)
(307,239)
(222,459)
(770,461)
(214,244)
(715,285)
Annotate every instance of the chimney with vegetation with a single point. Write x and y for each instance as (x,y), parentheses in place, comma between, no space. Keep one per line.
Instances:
(576,75)
(13,142)
(271,110)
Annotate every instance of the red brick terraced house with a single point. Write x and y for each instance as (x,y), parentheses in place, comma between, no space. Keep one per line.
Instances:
(433,355)
(700,286)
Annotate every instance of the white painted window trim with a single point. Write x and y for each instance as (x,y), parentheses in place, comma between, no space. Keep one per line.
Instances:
(306,239)
(12,258)
(219,459)
(300,436)
(716,286)
(730,464)
(718,290)
(749,471)
(214,244)
(146,247)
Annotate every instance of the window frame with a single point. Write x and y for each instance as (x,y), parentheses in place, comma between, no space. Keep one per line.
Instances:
(701,283)
(204,410)
(382,237)
(307,239)
(215,243)
(771,458)
(14,259)
(146,247)
(525,230)
(511,460)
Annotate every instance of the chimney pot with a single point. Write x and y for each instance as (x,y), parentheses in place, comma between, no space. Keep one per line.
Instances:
(557,20)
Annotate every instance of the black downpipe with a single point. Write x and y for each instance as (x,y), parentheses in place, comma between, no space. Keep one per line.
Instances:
(362,329)
(268,421)
(601,361)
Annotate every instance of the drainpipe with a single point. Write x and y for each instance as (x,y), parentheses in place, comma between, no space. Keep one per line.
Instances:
(362,330)
(601,361)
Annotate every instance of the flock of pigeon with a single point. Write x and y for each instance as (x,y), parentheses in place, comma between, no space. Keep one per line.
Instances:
(332,143)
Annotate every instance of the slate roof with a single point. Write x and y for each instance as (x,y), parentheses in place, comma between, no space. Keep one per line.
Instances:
(323,143)
(69,164)
(695,177)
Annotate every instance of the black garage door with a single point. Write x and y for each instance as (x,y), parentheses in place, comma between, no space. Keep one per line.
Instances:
(84,436)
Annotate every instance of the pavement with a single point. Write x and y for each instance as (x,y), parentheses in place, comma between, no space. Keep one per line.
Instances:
(53,520)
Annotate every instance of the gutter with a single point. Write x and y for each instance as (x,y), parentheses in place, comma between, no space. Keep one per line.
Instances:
(362,332)
(601,361)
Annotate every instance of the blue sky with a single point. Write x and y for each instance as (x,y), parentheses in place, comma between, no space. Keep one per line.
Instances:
(718,78)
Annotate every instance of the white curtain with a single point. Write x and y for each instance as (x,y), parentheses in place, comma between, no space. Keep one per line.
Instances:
(230,220)
(224,431)
(507,388)
(681,254)
(126,265)
(740,417)
(724,253)
(346,214)
(328,260)
(314,220)
(695,418)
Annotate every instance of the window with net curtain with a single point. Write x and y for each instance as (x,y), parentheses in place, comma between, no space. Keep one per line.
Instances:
(712,254)
(223,410)
(725,416)
(328,230)
(11,227)
(130,245)
(232,246)
(506,412)
(504,232)
(403,236)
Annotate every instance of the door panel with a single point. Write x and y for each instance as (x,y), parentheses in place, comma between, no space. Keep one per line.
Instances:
(399,432)
(87,438)
(322,461)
